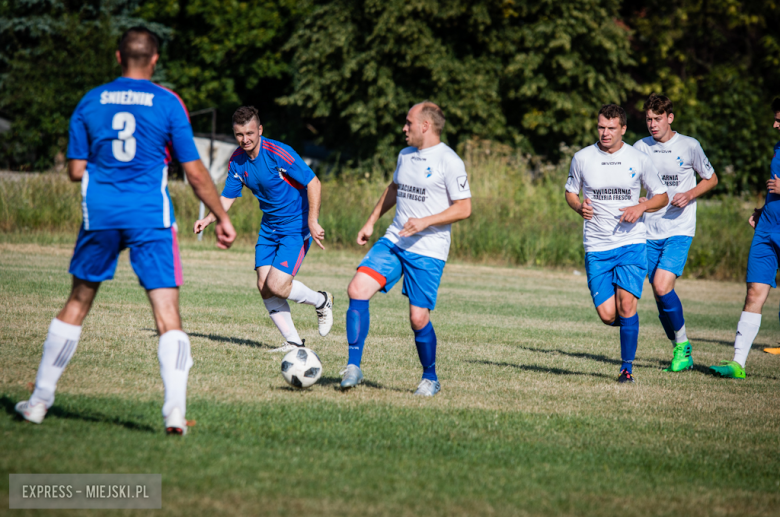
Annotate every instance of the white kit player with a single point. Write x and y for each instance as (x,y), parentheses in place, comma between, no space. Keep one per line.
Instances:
(670,230)
(431,190)
(610,175)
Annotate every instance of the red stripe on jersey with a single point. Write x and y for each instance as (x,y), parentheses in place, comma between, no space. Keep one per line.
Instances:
(271,145)
(294,184)
(235,153)
(282,156)
(177,96)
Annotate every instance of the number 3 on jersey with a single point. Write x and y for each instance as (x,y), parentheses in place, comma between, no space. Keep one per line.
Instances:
(124,146)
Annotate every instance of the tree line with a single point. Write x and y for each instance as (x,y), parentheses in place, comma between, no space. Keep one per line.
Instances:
(341,74)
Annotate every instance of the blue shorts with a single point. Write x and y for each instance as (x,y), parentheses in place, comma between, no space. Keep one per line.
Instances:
(154,255)
(623,267)
(386,263)
(763,258)
(284,252)
(669,254)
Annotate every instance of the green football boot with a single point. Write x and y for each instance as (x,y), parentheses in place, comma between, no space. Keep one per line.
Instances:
(682,359)
(729,370)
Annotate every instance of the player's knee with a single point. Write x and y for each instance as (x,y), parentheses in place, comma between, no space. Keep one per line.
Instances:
(418,320)
(356,291)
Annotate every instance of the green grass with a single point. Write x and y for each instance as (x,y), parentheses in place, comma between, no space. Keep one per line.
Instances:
(529,421)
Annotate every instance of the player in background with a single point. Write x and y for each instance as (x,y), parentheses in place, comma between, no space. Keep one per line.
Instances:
(289,196)
(120,135)
(430,188)
(761,267)
(670,230)
(610,175)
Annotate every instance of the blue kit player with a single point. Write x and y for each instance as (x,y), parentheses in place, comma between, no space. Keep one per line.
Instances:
(761,267)
(121,138)
(431,190)
(289,196)
(610,175)
(670,230)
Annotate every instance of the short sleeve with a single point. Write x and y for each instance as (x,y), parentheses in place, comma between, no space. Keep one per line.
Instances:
(700,162)
(78,137)
(651,178)
(574,182)
(397,167)
(233,185)
(181,132)
(297,168)
(457,180)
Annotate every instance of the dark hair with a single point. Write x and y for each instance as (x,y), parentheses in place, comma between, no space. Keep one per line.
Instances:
(137,46)
(244,115)
(776,104)
(611,111)
(659,104)
(434,115)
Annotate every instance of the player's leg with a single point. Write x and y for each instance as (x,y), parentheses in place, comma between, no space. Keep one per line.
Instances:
(629,277)
(599,268)
(94,260)
(761,274)
(154,256)
(655,249)
(379,270)
(422,276)
(279,312)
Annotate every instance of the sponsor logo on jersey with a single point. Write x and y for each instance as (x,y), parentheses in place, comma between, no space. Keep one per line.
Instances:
(418,159)
(610,163)
(127,97)
(611,194)
(631,171)
(463,183)
(679,161)
(410,192)
(670,180)
(429,172)
(662,151)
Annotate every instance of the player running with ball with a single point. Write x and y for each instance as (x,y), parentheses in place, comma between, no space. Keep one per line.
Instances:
(670,230)
(610,175)
(430,188)
(120,136)
(289,196)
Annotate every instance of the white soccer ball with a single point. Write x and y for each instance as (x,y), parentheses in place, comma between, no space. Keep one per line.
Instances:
(301,368)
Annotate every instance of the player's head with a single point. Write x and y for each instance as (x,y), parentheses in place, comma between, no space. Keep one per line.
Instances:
(247,128)
(611,125)
(776,111)
(139,49)
(424,124)
(659,116)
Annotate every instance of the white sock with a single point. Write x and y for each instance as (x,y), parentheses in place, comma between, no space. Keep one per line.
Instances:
(279,310)
(58,348)
(747,330)
(302,294)
(175,363)
(680,336)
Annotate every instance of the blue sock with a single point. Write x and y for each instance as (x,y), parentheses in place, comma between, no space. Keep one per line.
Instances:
(425,339)
(673,310)
(665,323)
(629,338)
(358,320)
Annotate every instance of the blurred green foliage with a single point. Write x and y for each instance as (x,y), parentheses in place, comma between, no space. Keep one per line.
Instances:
(342,73)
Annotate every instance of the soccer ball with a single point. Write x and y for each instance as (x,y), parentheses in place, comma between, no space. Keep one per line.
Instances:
(301,368)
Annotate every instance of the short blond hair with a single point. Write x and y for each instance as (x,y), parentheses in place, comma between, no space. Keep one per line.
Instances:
(433,114)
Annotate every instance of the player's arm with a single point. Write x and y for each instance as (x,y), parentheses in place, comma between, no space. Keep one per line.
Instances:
(682,199)
(459,209)
(201,183)
(585,209)
(314,193)
(76,169)
(386,202)
(202,224)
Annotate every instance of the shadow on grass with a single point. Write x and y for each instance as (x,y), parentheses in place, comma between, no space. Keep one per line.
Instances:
(335,383)
(58,412)
(541,369)
(695,340)
(237,341)
(580,355)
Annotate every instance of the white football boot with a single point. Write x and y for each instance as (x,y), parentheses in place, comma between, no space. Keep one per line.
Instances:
(428,388)
(34,414)
(325,314)
(353,376)
(287,347)
(175,423)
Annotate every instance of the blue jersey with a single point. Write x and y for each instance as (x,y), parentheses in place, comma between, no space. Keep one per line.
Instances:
(125,130)
(278,179)
(770,215)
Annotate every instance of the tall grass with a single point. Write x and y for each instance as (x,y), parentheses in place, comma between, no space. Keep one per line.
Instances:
(520,216)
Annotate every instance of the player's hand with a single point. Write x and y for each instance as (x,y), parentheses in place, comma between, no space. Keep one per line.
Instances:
(642,199)
(681,199)
(201,225)
(317,233)
(753,220)
(226,234)
(586,209)
(631,214)
(412,226)
(773,185)
(365,234)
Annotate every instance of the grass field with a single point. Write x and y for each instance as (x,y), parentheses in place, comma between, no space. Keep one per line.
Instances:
(530,420)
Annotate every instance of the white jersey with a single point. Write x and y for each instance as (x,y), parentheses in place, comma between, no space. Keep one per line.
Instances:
(611,182)
(677,160)
(428,180)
